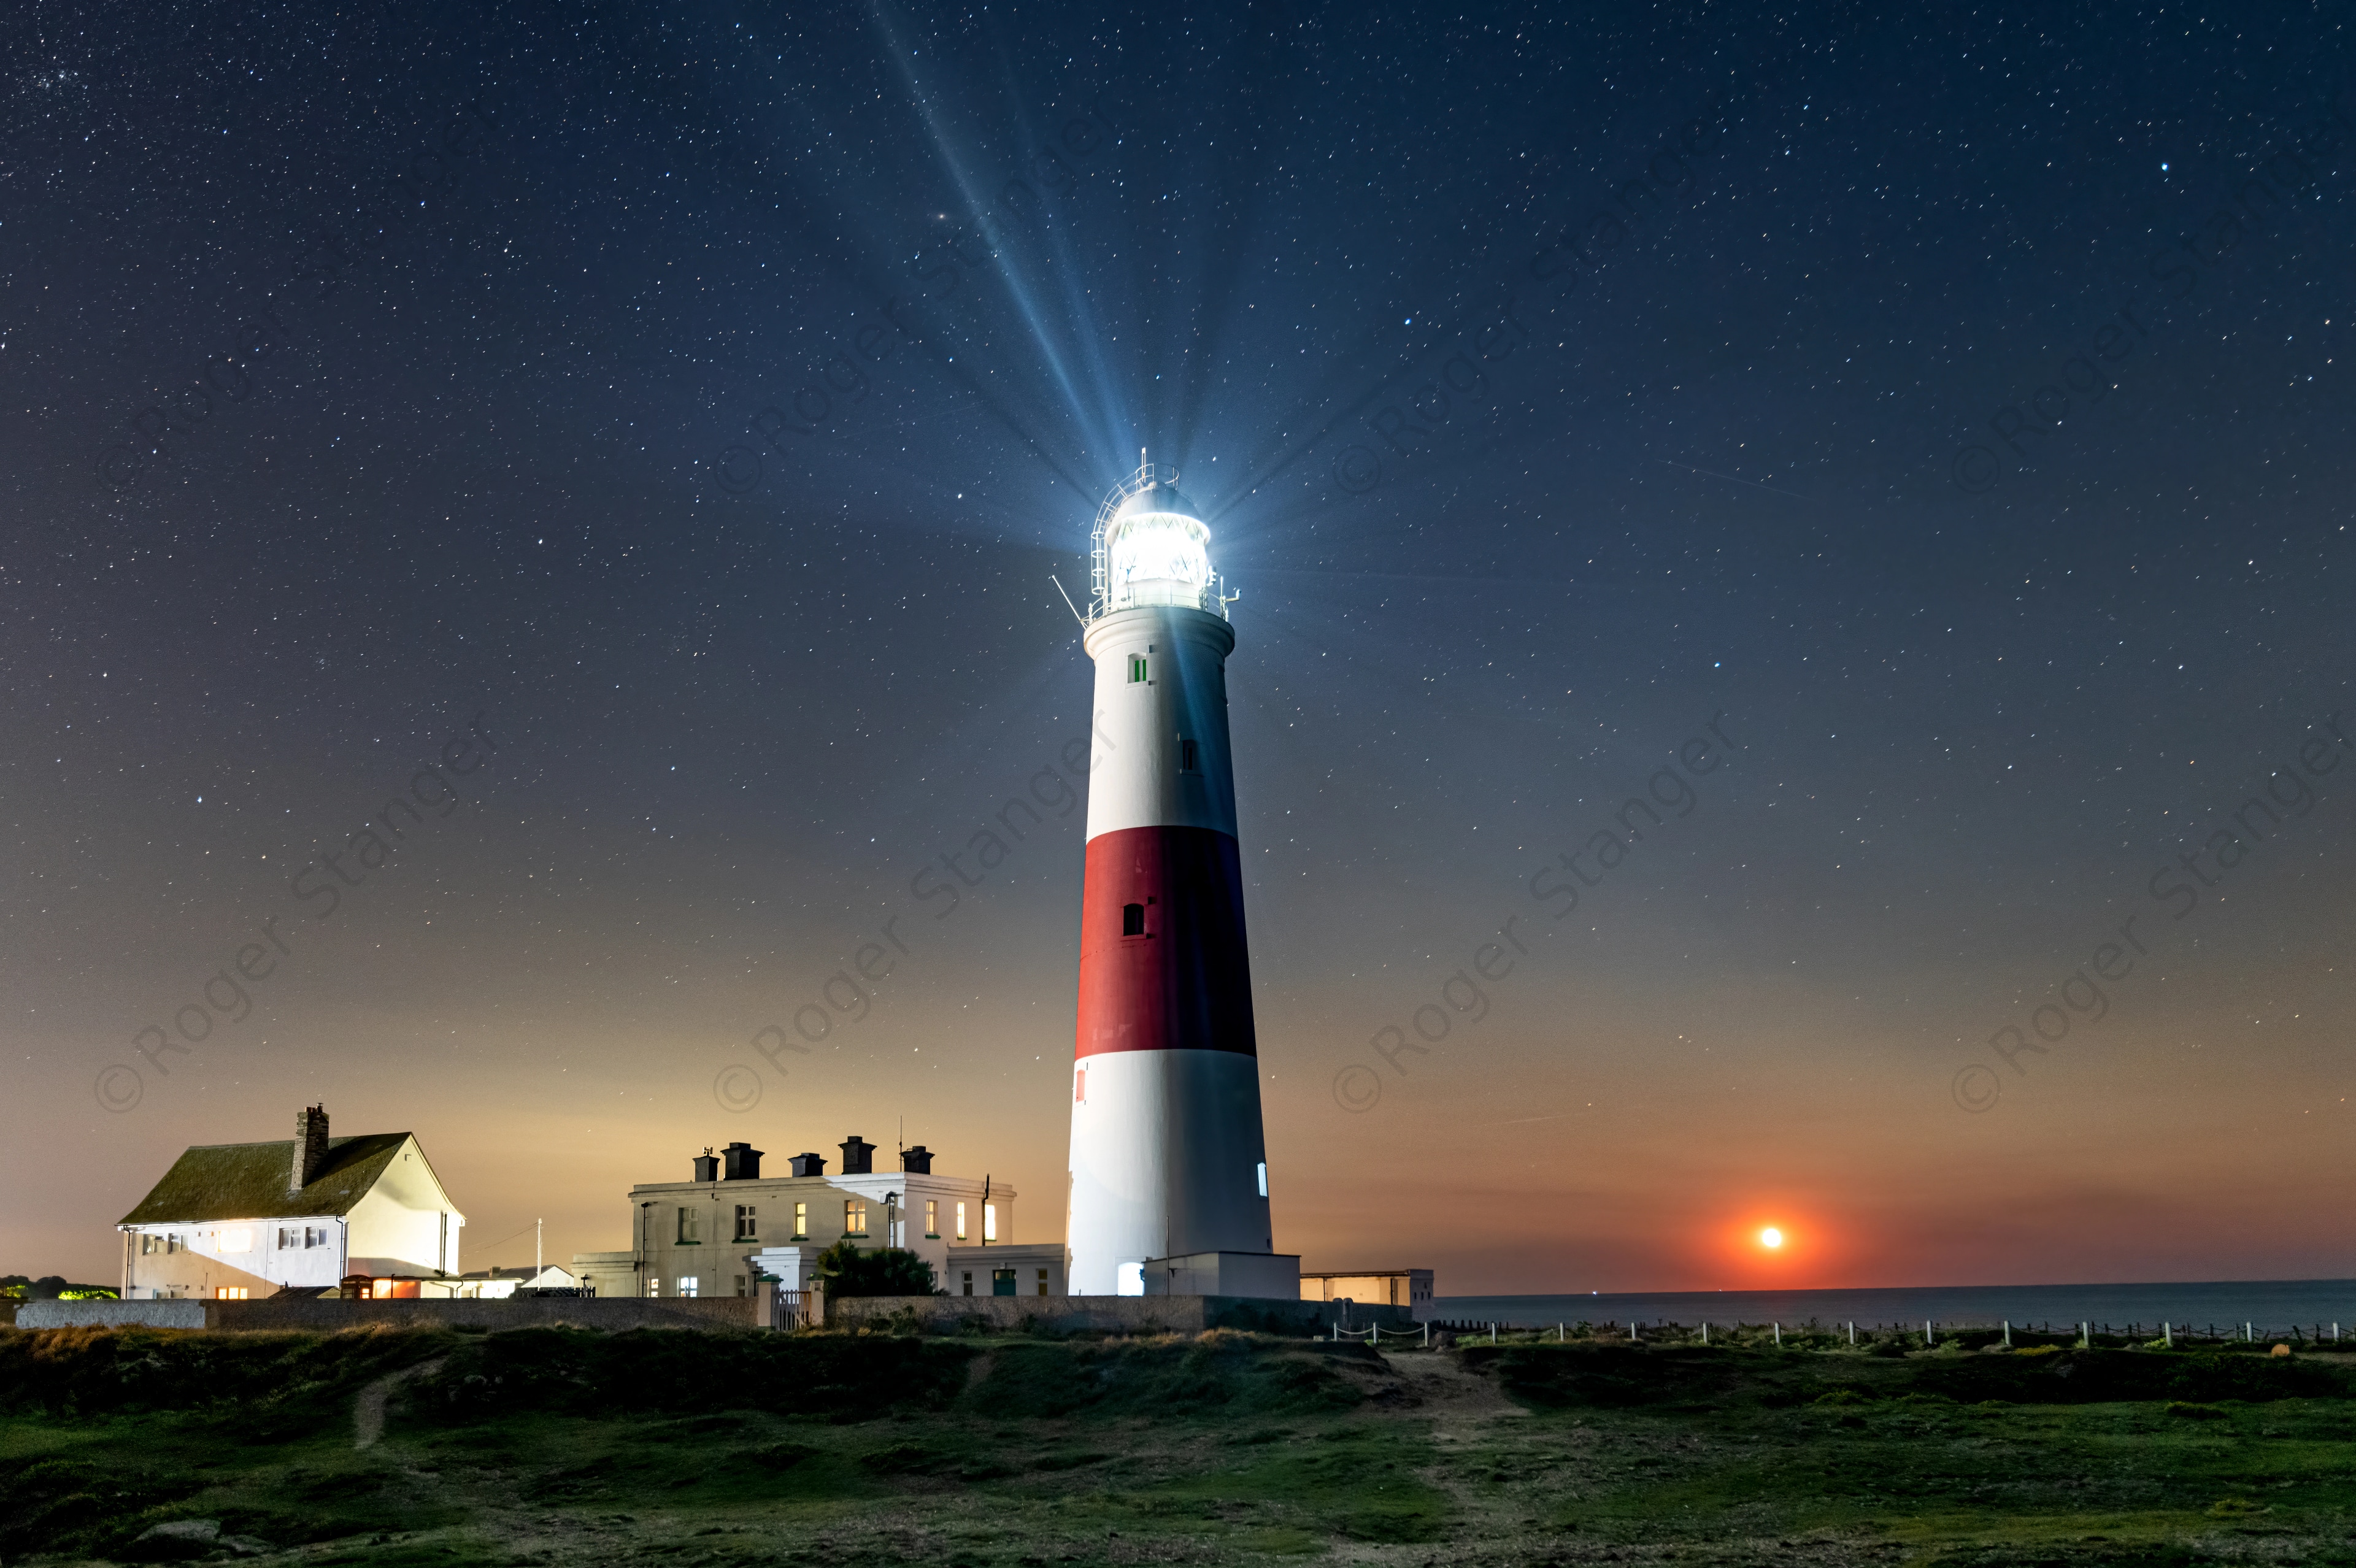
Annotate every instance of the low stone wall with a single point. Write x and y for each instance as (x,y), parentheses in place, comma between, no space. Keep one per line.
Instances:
(610,1313)
(326,1316)
(1108,1313)
(112,1315)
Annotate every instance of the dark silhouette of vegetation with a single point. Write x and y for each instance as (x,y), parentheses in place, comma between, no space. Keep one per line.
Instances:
(843,1270)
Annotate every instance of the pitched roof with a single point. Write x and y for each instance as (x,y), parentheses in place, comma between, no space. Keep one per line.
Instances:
(248,1181)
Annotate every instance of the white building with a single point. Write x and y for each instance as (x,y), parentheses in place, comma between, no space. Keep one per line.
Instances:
(238,1220)
(719,1231)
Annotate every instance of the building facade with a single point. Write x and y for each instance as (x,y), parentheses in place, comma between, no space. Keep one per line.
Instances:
(243,1220)
(726,1227)
(1407,1287)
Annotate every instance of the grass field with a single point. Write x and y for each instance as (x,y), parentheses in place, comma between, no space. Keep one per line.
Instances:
(551,1445)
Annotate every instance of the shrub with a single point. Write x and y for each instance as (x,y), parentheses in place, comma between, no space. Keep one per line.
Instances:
(843,1270)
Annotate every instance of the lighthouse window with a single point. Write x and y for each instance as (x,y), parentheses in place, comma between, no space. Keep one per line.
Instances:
(1136,667)
(1132,920)
(1186,756)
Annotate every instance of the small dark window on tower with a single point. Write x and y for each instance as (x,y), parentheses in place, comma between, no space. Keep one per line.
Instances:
(1136,667)
(1186,756)
(1132,920)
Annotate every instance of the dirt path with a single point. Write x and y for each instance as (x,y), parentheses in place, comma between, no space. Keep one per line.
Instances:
(368,1409)
(1438,1382)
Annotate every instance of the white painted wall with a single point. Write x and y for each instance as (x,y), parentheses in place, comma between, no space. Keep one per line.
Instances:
(1136,781)
(1149,1195)
(717,1261)
(406,1223)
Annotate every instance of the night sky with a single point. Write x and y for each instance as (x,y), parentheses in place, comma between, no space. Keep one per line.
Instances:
(1905,447)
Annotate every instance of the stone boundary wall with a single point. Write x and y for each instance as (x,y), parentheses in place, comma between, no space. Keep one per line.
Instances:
(112,1314)
(1111,1314)
(328,1315)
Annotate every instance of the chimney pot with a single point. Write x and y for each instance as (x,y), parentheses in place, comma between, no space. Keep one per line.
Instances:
(916,1160)
(707,1169)
(744,1162)
(858,1156)
(809,1165)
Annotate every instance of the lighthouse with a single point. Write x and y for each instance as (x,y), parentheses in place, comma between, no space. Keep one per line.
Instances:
(1169,1168)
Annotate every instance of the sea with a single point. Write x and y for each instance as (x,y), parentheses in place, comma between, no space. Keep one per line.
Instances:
(2323,1306)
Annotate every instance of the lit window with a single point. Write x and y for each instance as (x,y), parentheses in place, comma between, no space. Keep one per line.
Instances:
(654,1287)
(691,1227)
(801,1222)
(232,1293)
(932,1217)
(960,1233)
(1136,667)
(686,1285)
(989,1223)
(747,1230)
(855,1216)
(1132,920)
(1186,757)
(740,1285)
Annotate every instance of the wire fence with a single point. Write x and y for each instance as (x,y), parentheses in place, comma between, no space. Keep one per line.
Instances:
(1925,1333)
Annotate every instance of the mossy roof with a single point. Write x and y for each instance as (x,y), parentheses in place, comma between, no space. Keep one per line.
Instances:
(248,1181)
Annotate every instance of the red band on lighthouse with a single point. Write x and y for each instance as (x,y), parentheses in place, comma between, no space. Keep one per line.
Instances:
(1163,961)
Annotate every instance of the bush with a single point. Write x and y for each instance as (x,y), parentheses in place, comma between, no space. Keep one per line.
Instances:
(843,1270)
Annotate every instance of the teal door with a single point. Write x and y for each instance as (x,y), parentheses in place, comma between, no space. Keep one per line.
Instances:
(1001,1281)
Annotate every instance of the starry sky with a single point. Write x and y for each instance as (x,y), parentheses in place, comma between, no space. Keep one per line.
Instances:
(536,533)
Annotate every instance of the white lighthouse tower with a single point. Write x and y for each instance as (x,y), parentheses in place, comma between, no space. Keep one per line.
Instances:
(1169,1169)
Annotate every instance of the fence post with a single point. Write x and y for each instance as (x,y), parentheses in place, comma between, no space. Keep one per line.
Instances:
(1779,1334)
(1927,1340)
(1493,1333)
(2008,1333)
(2168,1334)
(1632,1330)
(1705,1330)
(1852,1331)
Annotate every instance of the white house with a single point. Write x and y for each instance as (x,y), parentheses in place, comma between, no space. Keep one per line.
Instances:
(719,1233)
(236,1221)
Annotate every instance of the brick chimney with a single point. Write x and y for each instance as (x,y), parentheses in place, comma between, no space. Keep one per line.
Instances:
(310,1148)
